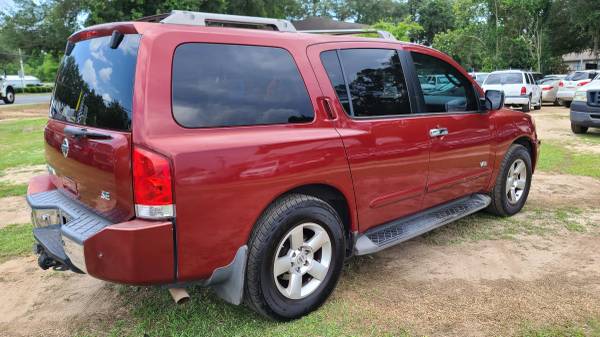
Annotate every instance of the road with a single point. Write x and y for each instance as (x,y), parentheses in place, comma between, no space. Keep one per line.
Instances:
(22,99)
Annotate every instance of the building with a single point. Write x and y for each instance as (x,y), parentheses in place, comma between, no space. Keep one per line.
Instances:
(581,61)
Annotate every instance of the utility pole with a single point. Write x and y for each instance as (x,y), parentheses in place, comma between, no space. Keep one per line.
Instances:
(22,75)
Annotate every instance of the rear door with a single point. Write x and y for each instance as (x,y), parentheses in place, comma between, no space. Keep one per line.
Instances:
(461,136)
(386,146)
(88,135)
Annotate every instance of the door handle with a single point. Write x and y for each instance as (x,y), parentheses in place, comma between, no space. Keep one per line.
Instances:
(439,132)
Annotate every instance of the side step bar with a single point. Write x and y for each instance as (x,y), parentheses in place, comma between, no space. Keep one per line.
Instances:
(395,232)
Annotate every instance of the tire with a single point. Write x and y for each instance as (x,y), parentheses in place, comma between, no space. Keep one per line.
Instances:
(539,105)
(527,107)
(501,204)
(567,103)
(578,129)
(556,102)
(10,96)
(271,241)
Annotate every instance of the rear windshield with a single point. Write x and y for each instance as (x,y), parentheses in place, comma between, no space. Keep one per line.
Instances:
(505,78)
(219,85)
(94,85)
(580,75)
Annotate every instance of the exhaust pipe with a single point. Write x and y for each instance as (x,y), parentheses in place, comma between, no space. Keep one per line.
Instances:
(180,295)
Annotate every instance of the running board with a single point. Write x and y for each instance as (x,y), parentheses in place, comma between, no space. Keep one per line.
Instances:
(395,232)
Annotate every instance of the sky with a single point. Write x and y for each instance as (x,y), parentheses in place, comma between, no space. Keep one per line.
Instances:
(4,4)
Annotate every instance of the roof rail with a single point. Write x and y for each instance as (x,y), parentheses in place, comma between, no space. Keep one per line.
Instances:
(223,20)
(239,21)
(382,33)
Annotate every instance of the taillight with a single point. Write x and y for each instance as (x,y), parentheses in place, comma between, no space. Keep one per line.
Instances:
(523,91)
(152,187)
(546,88)
(561,84)
(581,84)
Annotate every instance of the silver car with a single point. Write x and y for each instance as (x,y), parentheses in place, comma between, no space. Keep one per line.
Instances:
(549,88)
(570,84)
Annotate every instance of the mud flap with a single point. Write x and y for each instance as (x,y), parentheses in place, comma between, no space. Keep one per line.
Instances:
(228,281)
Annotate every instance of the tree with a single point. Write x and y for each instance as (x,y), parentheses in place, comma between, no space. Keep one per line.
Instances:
(435,16)
(402,31)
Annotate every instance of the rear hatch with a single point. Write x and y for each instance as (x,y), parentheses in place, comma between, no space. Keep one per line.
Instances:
(577,79)
(510,83)
(88,136)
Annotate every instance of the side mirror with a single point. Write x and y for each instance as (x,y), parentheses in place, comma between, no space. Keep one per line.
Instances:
(494,99)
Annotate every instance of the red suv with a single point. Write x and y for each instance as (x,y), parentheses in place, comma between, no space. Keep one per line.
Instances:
(188,151)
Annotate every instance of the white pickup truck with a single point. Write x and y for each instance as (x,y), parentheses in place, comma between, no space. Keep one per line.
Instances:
(7,92)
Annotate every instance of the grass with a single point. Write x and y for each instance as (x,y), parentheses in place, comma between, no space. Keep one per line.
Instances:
(589,329)
(15,240)
(556,158)
(205,315)
(12,190)
(21,143)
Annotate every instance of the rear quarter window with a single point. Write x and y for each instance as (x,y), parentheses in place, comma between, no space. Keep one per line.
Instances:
(220,85)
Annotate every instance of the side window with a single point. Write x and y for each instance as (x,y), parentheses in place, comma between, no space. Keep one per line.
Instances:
(444,88)
(375,81)
(334,72)
(218,85)
(529,81)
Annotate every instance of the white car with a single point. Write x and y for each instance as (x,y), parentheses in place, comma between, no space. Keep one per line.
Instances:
(7,91)
(573,82)
(518,86)
(479,77)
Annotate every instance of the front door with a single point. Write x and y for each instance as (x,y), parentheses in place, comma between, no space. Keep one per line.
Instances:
(460,161)
(386,146)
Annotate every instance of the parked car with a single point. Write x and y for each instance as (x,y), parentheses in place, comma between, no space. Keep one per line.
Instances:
(585,108)
(19,83)
(519,87)
(571,83)
(555,76)
(7,91)
(479,77)
(549,88)
(537,76)
(260,179)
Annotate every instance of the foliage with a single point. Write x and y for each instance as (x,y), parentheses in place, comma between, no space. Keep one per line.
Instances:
(480,34)
(401,30)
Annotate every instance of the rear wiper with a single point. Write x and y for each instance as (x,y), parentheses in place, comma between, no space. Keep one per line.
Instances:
(85,133)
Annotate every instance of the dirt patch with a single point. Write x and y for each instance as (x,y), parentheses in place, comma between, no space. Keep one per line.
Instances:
(21,175)
(563,190)
(553,124)
(13,210)
(23,111)
(34,302)
(488,288)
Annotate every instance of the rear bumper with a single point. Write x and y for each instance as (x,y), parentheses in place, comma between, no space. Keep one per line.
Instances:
(132,252)
(565,95)
(548,96)
(585,115)
(516,100)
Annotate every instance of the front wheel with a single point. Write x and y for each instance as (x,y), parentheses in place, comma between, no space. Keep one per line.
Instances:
(539,105)
(10,96)
(513,182)
(527,107)
(578,129)
(295,257)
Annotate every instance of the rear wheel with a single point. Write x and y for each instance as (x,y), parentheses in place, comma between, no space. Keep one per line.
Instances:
(578,129)
(512,184)
(567,104)
(10,96)
(295,257)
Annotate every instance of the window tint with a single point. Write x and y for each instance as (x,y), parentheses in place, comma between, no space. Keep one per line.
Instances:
(334,71)
(445,89)
(232,85)
(94,85)
(505,78)
(375,81)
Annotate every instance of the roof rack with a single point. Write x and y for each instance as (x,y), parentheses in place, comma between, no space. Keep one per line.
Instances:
(382,33)
(239,21)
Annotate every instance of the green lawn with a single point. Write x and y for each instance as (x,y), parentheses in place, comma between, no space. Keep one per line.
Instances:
(12,190)
(589,329)
(15,240)
(558,159)
(21,143)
